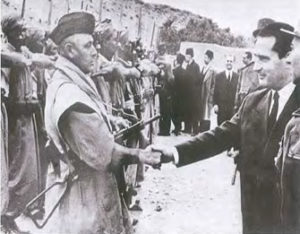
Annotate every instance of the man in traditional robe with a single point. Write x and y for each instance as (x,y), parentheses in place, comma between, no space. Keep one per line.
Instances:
(79,126)
(23,148)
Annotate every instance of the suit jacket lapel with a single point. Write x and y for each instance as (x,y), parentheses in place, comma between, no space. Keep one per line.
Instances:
(280,124)
(262,109)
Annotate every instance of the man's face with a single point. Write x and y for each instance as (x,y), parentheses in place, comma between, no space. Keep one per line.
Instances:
(18,36)
(206,59)
(229,62)
(272,72)
(188,58)
(295,59)
(246,60)
(83,52)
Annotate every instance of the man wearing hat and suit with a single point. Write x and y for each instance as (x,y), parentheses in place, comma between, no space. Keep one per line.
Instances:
(79,126)
(194,82)
(288,160)
(256,131)
(207,91)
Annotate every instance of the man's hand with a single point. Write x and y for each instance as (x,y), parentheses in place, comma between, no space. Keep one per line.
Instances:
(151,158)
(119,122)
(167,153)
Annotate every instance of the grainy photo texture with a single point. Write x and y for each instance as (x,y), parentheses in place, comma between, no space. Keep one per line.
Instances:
(150,117)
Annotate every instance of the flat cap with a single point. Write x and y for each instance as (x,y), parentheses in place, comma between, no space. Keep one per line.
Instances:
(73,23)
(210,54)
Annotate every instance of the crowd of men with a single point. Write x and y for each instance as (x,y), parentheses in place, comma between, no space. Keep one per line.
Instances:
(66,93)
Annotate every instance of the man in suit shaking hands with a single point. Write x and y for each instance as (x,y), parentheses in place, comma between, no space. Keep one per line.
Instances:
(256,130)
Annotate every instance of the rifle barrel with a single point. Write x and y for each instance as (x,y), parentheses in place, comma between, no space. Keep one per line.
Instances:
(137,126)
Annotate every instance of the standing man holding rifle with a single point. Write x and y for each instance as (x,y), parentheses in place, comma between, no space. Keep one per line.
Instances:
(79,126)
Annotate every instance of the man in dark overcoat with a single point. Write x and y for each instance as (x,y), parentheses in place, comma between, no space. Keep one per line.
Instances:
(256,131)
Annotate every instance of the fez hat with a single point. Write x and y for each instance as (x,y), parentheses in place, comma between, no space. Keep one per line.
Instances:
(73,23)
(295,33)
(180,58)
(190,51)
(261,24)
(210,54)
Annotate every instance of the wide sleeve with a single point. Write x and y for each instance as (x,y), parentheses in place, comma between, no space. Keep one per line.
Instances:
(88,137)
(212,142)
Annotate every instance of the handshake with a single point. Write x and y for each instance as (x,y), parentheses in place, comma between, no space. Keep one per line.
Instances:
(155,155)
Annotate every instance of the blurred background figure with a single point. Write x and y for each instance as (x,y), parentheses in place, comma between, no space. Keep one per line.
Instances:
(225,91)
(193,85)
(248,79)
(179,94)
(207,91)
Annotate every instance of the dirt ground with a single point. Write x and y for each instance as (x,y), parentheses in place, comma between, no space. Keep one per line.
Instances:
(195,199)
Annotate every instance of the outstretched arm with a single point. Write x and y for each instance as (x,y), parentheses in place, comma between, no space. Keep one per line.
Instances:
(88,136)
(204,145)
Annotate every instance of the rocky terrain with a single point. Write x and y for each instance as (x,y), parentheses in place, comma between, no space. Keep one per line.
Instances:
(142,19)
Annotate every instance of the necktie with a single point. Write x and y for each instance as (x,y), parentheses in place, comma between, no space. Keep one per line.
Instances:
(229,76)
(274,111)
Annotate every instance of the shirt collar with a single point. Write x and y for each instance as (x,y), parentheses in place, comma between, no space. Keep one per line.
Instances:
(286,91)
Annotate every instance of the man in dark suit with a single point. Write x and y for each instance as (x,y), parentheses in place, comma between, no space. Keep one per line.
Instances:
(225,91)
(194,82)
(178,94)
(256,130)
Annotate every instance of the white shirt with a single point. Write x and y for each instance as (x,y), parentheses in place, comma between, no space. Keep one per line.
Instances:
(228,74)
(284,95)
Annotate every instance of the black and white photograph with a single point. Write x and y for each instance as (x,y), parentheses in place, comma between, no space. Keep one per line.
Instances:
(150,117)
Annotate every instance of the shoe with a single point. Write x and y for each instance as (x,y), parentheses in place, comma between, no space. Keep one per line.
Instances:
(134,222)
(136,206)
(10,226)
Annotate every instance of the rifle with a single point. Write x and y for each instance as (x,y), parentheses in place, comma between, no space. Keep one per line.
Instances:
(135,127)
(66,183)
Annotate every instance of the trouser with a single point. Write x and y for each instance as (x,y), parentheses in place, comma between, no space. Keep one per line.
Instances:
(291,195)
(166,113)
(260,204)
